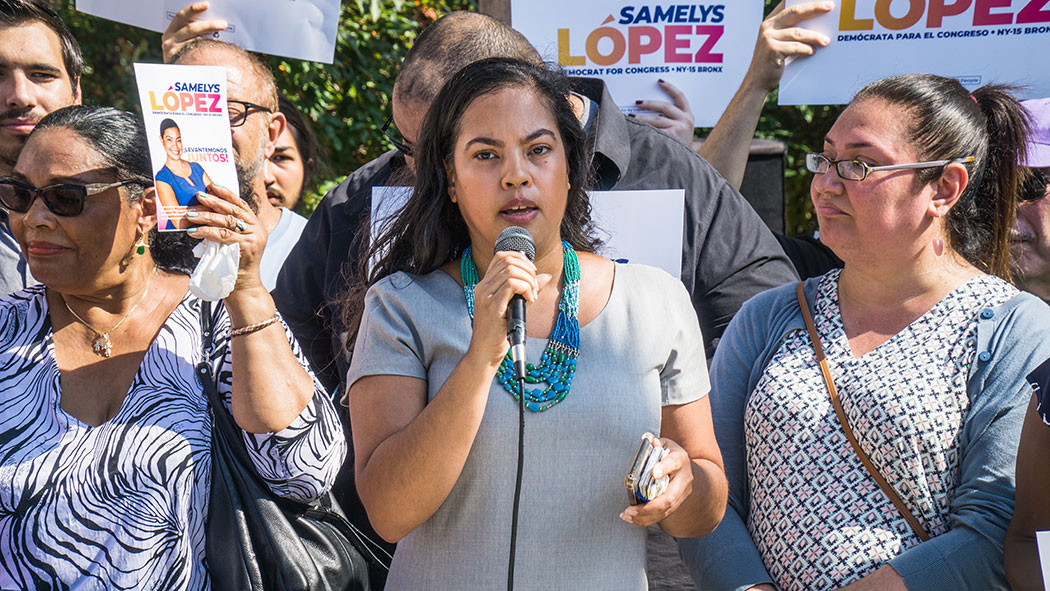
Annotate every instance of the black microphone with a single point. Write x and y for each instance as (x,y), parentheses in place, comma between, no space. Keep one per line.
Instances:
(517,239)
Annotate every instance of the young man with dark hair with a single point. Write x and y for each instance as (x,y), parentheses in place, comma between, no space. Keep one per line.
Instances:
(40,69)
(293,165)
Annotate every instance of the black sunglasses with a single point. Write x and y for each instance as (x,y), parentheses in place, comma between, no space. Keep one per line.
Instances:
(398,141)
(63,200)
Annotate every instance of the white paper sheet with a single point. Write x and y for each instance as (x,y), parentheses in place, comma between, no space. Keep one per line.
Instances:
(704,49)
(637,226)
(1042,540)
(301,29)
(980,45)
(146,14)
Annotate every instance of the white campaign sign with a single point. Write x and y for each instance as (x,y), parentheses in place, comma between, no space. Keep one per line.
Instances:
(704,49)
(301,29)
(636,226)
(977,42)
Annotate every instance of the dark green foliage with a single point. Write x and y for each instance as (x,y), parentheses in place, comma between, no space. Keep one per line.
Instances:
(346,101)
(802,128)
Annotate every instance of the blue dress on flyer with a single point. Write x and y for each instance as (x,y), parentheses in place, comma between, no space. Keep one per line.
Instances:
(185,188)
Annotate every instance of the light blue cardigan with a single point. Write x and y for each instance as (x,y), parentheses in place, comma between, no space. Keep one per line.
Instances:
(1010,343)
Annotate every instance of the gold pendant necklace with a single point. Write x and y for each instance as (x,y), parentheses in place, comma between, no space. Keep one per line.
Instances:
(101,344)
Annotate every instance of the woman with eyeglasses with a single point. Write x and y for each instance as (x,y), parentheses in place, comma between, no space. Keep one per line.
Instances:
(105,432)
(893,468)
(178,181)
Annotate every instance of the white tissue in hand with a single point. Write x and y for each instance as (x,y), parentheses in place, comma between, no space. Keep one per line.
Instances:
(216,273)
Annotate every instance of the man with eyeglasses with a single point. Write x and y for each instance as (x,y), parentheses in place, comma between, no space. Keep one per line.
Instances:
(256,124)
(40,68)
(1030,239)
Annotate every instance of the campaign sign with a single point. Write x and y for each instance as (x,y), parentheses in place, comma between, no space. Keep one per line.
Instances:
(702,48)
(977,42)
(635,226)
(188,128)
(300,29)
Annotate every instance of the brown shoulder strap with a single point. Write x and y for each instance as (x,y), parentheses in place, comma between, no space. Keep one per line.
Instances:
(864,459)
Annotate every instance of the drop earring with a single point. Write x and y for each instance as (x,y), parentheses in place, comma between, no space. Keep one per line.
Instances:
(938,246)
(140,247)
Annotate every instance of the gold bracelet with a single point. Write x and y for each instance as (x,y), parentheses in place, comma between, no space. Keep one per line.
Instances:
(236,332)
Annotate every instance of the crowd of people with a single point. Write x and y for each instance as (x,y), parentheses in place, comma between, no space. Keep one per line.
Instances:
(880,424)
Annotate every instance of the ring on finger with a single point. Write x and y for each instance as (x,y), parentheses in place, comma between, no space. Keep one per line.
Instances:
(239,226)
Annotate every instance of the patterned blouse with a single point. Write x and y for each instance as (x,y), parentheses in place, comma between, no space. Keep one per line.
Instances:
(817,517)
(123,505)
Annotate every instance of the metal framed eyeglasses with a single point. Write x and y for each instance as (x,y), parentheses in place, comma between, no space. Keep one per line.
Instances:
(855,170)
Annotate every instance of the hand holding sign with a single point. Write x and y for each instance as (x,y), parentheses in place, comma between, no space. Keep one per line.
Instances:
(780,40)
(702,48)
(868,42)
(675,118)
(185,27)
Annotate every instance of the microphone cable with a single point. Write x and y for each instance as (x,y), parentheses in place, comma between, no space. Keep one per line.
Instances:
(517,482)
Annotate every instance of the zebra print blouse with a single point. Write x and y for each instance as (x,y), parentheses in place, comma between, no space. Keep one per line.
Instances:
(122,505)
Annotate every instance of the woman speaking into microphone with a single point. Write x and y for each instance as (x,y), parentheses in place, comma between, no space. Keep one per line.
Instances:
(614,350)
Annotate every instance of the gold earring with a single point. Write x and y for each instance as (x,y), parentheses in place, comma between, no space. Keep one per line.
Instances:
(140,247)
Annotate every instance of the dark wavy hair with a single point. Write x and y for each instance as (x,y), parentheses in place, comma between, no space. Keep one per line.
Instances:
(947,122)
(120,139)
(429,231)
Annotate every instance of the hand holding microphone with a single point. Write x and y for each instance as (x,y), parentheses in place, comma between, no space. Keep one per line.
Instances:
(517,239)
(510,276)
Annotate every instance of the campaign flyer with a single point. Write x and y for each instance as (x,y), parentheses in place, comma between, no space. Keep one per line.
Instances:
(188,127)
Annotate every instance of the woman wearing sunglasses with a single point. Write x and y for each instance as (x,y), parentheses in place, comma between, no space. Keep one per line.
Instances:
(895,470)
(104,428)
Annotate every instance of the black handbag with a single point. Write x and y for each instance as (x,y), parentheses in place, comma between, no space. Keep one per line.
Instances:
(256,540)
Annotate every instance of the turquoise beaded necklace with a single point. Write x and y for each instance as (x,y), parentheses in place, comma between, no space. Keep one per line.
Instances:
(558,362)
